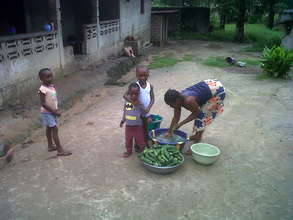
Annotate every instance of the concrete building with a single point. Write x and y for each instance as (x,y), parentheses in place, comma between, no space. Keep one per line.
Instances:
(88,30)
(286,19)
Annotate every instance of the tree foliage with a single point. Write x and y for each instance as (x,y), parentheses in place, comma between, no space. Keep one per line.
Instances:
(238,11)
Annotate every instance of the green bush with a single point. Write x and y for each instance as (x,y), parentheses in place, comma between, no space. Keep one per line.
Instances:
(276,62)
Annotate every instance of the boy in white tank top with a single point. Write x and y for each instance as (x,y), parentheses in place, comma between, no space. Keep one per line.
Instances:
(146,96)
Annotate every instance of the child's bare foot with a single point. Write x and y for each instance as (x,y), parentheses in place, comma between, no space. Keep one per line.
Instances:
(126,154)
(64,153)
(52,148)
(136,148)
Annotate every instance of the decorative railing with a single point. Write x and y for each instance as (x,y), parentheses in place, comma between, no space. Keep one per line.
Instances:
(90,31)
(25,45)
(110,26)
(90,44)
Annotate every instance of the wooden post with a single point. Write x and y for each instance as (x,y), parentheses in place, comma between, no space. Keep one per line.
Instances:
(59,29)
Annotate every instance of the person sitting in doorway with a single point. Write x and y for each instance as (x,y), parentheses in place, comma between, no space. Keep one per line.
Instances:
(128,51)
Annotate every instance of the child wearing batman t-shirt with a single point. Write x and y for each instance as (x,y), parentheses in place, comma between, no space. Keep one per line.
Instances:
(132,116)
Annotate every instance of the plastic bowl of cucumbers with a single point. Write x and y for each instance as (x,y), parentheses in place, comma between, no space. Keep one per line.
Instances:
(161,159)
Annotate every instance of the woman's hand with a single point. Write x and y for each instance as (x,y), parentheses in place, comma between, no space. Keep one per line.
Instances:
(171,131)
(177,126)
(169,134)
(147,110)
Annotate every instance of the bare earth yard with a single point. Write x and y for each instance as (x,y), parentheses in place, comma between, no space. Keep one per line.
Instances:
(253,178)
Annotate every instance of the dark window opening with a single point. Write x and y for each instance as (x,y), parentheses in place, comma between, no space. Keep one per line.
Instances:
(109,10)
(74,14)
(12,17)
(142,6)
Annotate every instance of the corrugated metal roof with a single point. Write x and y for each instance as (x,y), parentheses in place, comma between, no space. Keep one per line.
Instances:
(288,11)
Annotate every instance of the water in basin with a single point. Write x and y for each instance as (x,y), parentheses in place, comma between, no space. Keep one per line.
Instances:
(174,139)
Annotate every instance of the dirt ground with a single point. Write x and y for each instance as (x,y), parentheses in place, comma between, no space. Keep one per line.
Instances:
(251,180)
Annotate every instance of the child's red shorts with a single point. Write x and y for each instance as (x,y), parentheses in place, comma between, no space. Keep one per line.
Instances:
(136,132)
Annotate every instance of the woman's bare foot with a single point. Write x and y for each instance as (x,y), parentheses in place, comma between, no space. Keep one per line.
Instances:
(194,139)
(197,137)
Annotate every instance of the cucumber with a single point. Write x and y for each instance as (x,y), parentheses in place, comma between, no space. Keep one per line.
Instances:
(165,158)
(173,149)
(160,158)
(152,154)
(173,163)
(166,153)
(150,158)
(148,161)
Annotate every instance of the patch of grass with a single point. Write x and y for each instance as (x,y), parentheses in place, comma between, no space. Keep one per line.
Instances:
(257,34)
(262,76)
(261,36)
(221,62)
(215,62)
(251,62)
(187,57)
(253,48)
(160,62)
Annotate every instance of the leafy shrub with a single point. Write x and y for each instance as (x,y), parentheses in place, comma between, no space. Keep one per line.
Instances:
(276,62)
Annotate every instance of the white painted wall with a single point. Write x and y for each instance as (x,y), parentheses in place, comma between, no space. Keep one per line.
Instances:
(287,41)
(20,74)
(133,22)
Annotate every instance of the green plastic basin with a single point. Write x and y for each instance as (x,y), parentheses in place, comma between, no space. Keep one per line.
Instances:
(156,122)
(205,154)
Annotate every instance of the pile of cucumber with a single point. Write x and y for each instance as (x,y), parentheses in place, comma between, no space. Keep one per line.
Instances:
(161,156)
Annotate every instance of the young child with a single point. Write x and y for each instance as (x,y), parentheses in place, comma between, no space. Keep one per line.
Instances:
(50,112)
(132,116)
(146,96)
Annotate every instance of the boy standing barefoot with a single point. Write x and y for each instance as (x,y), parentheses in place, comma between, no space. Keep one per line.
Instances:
(146,96)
